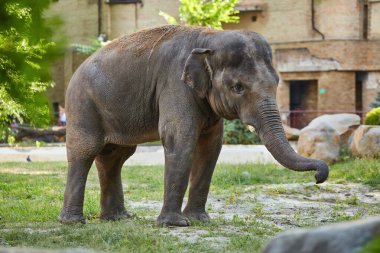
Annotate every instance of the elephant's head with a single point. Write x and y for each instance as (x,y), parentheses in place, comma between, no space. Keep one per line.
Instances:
(235,74)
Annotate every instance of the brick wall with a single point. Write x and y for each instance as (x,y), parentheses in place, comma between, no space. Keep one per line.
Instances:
(62,73)
(121,19)
(371,86)
(80,25)
(280,21)
(339,19)
(285,23)
(374,19)
(79,19)
(351,55)
(291,20)
(338,90)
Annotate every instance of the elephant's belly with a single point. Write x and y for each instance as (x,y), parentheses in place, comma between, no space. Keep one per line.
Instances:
(132,136)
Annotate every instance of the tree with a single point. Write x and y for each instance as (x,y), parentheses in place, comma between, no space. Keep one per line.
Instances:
(26,54)
(377,101)
(211,13)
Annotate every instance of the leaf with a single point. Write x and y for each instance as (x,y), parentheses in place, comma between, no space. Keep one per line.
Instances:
(170,19)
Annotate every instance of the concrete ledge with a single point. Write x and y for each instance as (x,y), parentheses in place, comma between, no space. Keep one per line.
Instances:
(145,155)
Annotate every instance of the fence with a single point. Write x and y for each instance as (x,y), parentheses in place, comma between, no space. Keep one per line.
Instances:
(301,118)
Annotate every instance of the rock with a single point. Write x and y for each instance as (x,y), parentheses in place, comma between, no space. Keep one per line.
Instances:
(292,134)
(319,142)
(365,141)
(347,237)
(344,123)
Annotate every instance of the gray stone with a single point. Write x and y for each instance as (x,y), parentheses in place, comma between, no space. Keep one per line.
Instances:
(319,141)
(291,133)
(365,141)
(344,123)
(347,237)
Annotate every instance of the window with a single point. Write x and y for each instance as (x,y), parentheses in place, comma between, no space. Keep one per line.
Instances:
(365,21)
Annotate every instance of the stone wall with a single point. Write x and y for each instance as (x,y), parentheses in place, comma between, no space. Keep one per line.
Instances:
(339,92)
(349,55)
(374,19)
(80,19)
(291,20)
(371,86)
(124,19)
(62,73)
(339,19)
(271,21)
(336,91)
(80,26)
(299,51)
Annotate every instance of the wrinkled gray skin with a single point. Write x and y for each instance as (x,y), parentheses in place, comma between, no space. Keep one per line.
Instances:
(175,84)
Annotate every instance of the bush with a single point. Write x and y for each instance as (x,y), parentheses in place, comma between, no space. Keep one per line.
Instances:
(377,102)
(373,117)
(235,132)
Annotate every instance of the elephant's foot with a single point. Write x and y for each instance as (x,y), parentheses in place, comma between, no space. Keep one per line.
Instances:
(70,218)
(197,215)
(173,219)
(113,216)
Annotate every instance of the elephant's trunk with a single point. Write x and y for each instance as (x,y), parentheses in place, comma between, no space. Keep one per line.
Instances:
(273,136)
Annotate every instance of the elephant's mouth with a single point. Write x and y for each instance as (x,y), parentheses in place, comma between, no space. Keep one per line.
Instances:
(253,122)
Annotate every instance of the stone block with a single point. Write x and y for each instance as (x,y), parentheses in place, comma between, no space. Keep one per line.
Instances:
(365,141)
(347,237)
(320,141)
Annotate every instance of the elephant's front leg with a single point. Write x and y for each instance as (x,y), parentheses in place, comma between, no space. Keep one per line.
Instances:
(206,154)
(179,144)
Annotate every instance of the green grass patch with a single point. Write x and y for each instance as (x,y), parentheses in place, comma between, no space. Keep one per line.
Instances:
(31,196)
(364,171)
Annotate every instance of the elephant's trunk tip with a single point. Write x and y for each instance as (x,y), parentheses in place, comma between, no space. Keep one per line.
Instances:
(322,172)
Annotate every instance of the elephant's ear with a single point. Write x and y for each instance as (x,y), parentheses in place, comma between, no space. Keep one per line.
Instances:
(197,72)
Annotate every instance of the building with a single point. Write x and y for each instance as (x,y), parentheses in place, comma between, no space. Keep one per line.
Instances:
(85,20)
(327,52)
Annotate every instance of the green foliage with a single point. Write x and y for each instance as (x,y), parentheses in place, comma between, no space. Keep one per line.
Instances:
(26,54)
(88,49)
(235,132)
(211,13)
(372,247)
(373,117)
(377,103)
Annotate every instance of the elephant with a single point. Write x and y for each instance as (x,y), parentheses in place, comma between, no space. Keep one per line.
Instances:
(175,84)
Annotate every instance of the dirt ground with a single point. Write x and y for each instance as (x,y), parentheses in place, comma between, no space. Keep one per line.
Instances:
(285,206)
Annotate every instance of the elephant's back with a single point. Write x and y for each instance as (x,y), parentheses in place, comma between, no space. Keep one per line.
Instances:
(145,41)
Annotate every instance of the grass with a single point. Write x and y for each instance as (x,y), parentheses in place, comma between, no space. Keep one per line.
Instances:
(31,196)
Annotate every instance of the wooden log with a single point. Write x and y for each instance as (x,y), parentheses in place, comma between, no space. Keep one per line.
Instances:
(55,134)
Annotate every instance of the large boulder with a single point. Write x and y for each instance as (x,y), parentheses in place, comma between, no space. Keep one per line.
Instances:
(348,237)
(365,141)
(292,134)
(343,123)
(319,142)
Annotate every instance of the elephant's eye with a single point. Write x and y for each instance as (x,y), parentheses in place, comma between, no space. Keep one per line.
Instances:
(237,88)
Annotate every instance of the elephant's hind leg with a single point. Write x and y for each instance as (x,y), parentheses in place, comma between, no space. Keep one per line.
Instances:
(109,163)
(80,160)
